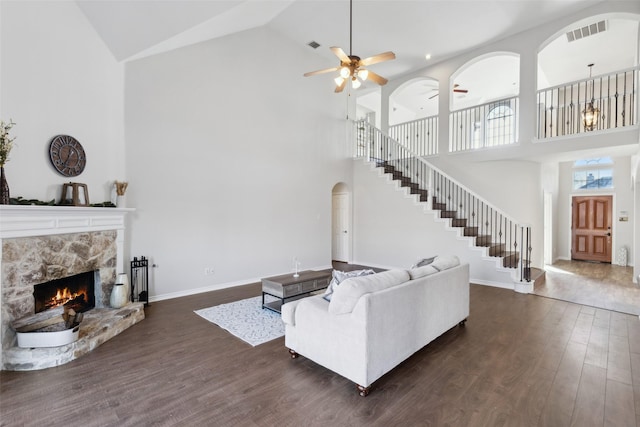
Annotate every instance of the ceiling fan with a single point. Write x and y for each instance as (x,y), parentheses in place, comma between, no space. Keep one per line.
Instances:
(351,66)
(455,89)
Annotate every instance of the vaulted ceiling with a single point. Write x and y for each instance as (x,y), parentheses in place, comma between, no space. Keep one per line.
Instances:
(412,29)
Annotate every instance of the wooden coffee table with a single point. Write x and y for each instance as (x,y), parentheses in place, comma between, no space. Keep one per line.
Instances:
(287,287)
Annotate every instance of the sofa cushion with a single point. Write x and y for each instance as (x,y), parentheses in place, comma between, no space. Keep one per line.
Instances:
(445,262)
(424,261)
(340,276)
(416,273)
(349,292)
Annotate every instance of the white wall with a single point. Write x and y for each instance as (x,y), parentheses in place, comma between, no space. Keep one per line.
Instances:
(58,77)
(623,200)
(231,156)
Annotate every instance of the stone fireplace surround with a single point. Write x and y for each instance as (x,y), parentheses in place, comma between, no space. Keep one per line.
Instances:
(43,243)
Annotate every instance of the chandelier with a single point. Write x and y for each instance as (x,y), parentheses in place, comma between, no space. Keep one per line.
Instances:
(590,113)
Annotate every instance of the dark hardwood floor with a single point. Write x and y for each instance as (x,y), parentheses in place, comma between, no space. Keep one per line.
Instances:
(521,360)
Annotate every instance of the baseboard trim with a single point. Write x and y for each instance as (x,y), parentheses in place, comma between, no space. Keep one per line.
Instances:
(218,286)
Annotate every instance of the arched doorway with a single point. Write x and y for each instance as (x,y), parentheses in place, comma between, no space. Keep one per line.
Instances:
(414,99)
(340,223)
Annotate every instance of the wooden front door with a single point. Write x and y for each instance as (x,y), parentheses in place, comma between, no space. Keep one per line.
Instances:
(591,228)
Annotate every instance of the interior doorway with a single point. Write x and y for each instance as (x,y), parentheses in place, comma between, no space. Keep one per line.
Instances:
(591,228)
(548,228)
(340,223)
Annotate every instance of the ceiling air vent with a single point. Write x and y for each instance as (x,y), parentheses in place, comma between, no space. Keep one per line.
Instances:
(314,44)
(586,31)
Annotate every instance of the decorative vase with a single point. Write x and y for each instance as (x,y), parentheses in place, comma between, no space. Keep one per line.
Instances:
(4,188)
(118,296)
(120,291)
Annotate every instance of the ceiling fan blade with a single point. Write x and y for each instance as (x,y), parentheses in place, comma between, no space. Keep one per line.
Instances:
(381,57)
(341,86)
(433,96)
(455,89)
(326,70)
(340,54)
(377,78)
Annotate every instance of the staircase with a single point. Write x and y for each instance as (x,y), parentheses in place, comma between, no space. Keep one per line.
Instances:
(487,227)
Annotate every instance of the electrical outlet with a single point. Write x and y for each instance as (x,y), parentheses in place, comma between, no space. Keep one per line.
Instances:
(208,271)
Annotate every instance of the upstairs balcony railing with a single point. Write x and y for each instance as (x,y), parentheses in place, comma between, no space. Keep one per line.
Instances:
(482,126)
(560,108)
(419,136)
(490,227)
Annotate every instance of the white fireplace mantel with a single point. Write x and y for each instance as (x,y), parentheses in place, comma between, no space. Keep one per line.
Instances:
(30,220)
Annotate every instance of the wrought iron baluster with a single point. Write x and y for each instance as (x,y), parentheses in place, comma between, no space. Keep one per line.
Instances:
(616,96)
(608,102)
(624,99)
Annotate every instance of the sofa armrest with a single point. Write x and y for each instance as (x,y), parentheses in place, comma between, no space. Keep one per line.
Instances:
(288,312)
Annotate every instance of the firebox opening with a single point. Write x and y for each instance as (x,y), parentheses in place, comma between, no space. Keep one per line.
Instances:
(76,292)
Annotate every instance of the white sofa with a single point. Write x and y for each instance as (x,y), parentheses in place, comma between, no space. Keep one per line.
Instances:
(374,322)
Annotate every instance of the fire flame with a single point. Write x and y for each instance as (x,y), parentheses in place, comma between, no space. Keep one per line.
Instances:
(61,297)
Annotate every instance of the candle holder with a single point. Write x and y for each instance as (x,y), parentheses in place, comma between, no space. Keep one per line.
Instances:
(296,266)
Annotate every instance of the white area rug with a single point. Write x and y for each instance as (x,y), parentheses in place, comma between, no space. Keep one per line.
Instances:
(246,319)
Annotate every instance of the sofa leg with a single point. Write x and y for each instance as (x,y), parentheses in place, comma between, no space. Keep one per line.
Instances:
(363,391)
(293,354)
(462,323)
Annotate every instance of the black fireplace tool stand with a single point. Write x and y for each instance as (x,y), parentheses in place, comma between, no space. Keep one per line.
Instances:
(140,280)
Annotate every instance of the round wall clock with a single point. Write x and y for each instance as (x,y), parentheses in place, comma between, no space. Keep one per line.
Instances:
(67,155)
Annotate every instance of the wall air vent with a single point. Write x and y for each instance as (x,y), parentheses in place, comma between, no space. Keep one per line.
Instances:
(314,44)
(586,31)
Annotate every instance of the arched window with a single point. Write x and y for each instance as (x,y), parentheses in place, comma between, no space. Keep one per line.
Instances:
(500,125)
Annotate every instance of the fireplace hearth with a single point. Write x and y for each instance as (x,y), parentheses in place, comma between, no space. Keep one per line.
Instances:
(76,292)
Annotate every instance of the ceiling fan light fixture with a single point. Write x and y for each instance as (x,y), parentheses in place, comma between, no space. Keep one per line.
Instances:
(349,68)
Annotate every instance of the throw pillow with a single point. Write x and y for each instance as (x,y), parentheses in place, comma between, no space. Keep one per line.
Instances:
(424,261)
(339,277)
(416,273)
(445,262)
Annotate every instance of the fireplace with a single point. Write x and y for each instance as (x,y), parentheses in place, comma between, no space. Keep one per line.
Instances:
(40,244)
(76,292)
